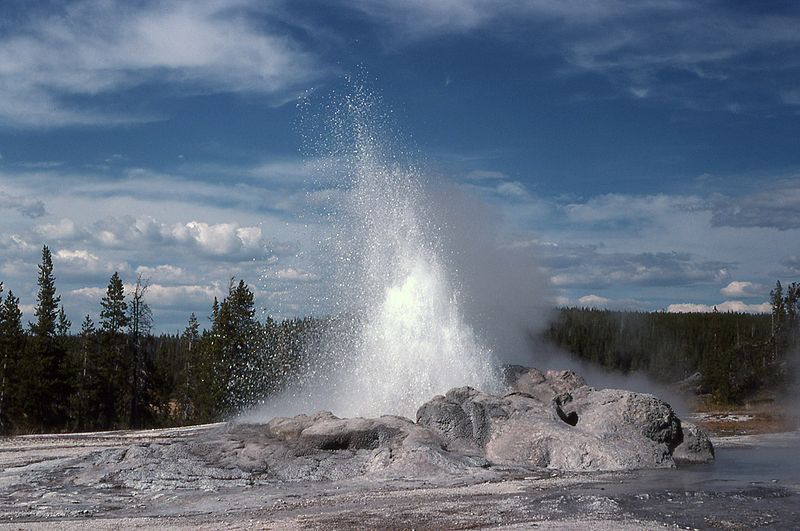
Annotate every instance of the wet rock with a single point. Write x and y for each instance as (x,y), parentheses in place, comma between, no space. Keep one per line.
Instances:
(549,420)
(695,447)
(544,386)
(555,420)
(622,431)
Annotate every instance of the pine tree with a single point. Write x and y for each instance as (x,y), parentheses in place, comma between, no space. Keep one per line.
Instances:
(778,319)
(113,316)
(12,345)
(62,324)
(43,369)
(114,370)
(239,364)
(47,300)
(187,390)
(139,325)
(792,305)
(230,373)
(85,405)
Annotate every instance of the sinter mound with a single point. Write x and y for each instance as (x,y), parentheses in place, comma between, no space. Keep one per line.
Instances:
(551,420)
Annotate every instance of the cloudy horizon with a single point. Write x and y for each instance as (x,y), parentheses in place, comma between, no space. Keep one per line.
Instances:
(646,156)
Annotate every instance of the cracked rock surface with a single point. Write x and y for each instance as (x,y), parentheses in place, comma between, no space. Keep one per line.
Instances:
(547,420)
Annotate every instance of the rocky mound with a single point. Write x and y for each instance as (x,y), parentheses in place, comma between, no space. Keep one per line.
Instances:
(546,420)
(555,420)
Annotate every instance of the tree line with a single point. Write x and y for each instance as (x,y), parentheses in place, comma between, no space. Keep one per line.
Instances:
(736,354)
(116,374)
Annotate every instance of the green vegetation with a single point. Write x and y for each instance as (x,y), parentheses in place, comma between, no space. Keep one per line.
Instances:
(117,374)
(737,354)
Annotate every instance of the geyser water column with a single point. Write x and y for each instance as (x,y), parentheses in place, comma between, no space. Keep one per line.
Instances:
(411,341)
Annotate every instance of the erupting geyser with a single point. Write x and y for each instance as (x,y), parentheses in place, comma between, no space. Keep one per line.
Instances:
(405,339)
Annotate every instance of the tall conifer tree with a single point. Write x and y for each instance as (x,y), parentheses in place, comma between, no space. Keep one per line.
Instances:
(43,369)
(12,344)
(114,367)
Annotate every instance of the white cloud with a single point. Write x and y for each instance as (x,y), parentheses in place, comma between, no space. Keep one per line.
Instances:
(624,209)
(593,301)
(587,266)
(512,189)
(92,47)
(164,272)
(291,273)
(220,239)
(61,230)
(90,293)
(607,303)
(727,306)
(160,296)
(562,300)
(81,262)
(11,267)
(774,205)
(25,205)
(75,256)
(739,288)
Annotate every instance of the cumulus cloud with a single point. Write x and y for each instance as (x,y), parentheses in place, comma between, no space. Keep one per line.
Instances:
(64,229)
(27,206)
(739,288)
(163,272)
(59,55)
(727,306)
(593,300)
(776,207)
(221,240)
(81,262)
(90,293)
(161,296)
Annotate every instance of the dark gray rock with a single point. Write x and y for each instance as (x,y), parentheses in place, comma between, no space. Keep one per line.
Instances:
(695,447)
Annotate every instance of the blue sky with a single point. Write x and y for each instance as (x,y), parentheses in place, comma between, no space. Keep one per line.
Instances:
(648,154)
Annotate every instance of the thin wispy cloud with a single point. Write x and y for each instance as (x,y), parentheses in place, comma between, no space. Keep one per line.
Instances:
(58,61)
(665,49)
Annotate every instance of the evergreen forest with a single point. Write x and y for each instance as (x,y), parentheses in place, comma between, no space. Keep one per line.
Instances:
(117,374)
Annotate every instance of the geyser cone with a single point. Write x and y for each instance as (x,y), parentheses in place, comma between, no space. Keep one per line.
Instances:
(409,340)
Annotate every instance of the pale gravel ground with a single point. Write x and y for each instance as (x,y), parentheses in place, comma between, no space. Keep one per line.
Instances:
(36,492)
